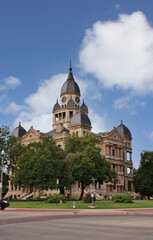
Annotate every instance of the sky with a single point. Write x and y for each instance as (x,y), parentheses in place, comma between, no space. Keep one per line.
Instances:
(110,44)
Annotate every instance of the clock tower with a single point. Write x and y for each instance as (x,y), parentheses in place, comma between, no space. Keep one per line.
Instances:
(70,102)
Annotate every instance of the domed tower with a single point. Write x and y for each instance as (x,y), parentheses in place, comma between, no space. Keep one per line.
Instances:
(18,131)
(80,124)
(124,131)
(70,102)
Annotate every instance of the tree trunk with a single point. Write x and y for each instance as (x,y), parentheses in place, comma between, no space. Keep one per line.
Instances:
(82,191)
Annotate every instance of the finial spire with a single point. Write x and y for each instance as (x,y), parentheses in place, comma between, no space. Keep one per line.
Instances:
(70,66)
(121,122)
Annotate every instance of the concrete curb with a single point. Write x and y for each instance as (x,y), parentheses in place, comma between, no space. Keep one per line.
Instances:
(148,211)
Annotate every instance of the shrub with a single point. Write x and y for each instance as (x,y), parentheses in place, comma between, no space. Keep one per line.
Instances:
(55,198)
(87,198)
(122,198)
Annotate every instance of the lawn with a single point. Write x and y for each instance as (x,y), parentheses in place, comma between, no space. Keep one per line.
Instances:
(80,204)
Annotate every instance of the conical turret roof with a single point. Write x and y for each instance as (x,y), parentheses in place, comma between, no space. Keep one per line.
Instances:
(84,107)
(56,106)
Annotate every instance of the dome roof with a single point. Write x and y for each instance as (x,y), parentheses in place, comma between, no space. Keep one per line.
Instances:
(84,107)
(18,131)
(71,103)
(123,130)
(70,86)
(80,118)
(56,106)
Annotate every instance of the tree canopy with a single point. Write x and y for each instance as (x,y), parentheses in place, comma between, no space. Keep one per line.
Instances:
(87,161)
(143,176)
(4,145)
(39,165)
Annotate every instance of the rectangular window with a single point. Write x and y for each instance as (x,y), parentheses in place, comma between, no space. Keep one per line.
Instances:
(113,152)
(71,114)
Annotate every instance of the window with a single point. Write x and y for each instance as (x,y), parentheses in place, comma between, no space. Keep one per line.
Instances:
(71,114)
(113,152)
(56,117)
(64,114)
(128,156)
(129,185)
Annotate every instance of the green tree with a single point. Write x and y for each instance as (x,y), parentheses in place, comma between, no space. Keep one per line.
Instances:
(39,165)
(87,161)
(4,138)
(143,176)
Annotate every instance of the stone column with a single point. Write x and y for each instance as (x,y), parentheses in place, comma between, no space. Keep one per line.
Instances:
(111,150)
(108,188)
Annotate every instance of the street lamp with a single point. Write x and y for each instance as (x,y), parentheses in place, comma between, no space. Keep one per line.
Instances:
(1,183)
(93,192)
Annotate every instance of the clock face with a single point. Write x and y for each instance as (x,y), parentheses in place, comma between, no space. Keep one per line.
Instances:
(63,99)
(77,99)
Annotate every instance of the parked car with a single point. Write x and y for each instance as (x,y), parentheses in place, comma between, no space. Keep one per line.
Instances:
(3,204)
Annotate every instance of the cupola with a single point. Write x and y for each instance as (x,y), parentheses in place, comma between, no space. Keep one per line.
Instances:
(70,86)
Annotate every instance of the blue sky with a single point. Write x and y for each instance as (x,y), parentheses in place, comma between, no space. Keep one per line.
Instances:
(110,44)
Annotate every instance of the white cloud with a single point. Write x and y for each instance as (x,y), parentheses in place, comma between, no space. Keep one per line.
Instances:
(14,108)
(98,122)
(120,53)
(10,83)
(128,103)
(38,106)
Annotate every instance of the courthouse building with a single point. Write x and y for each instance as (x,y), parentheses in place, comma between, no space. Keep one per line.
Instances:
(70,116)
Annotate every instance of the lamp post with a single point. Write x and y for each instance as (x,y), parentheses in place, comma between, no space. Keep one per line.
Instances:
(93,192)
(1,183)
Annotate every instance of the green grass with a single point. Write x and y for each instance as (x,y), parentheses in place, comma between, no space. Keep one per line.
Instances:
(81,204)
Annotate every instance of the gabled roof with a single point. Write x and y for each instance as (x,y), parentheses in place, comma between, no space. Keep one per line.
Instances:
(52,132)
(71,103)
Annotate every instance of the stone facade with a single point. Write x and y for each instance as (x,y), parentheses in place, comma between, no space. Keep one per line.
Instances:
(68,118)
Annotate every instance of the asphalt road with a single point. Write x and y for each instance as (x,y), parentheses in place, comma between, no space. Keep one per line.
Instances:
(77,227)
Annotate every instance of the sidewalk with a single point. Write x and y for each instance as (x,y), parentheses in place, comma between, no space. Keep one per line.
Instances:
(131,211)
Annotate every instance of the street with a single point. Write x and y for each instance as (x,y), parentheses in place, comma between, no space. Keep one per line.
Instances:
(53,226)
